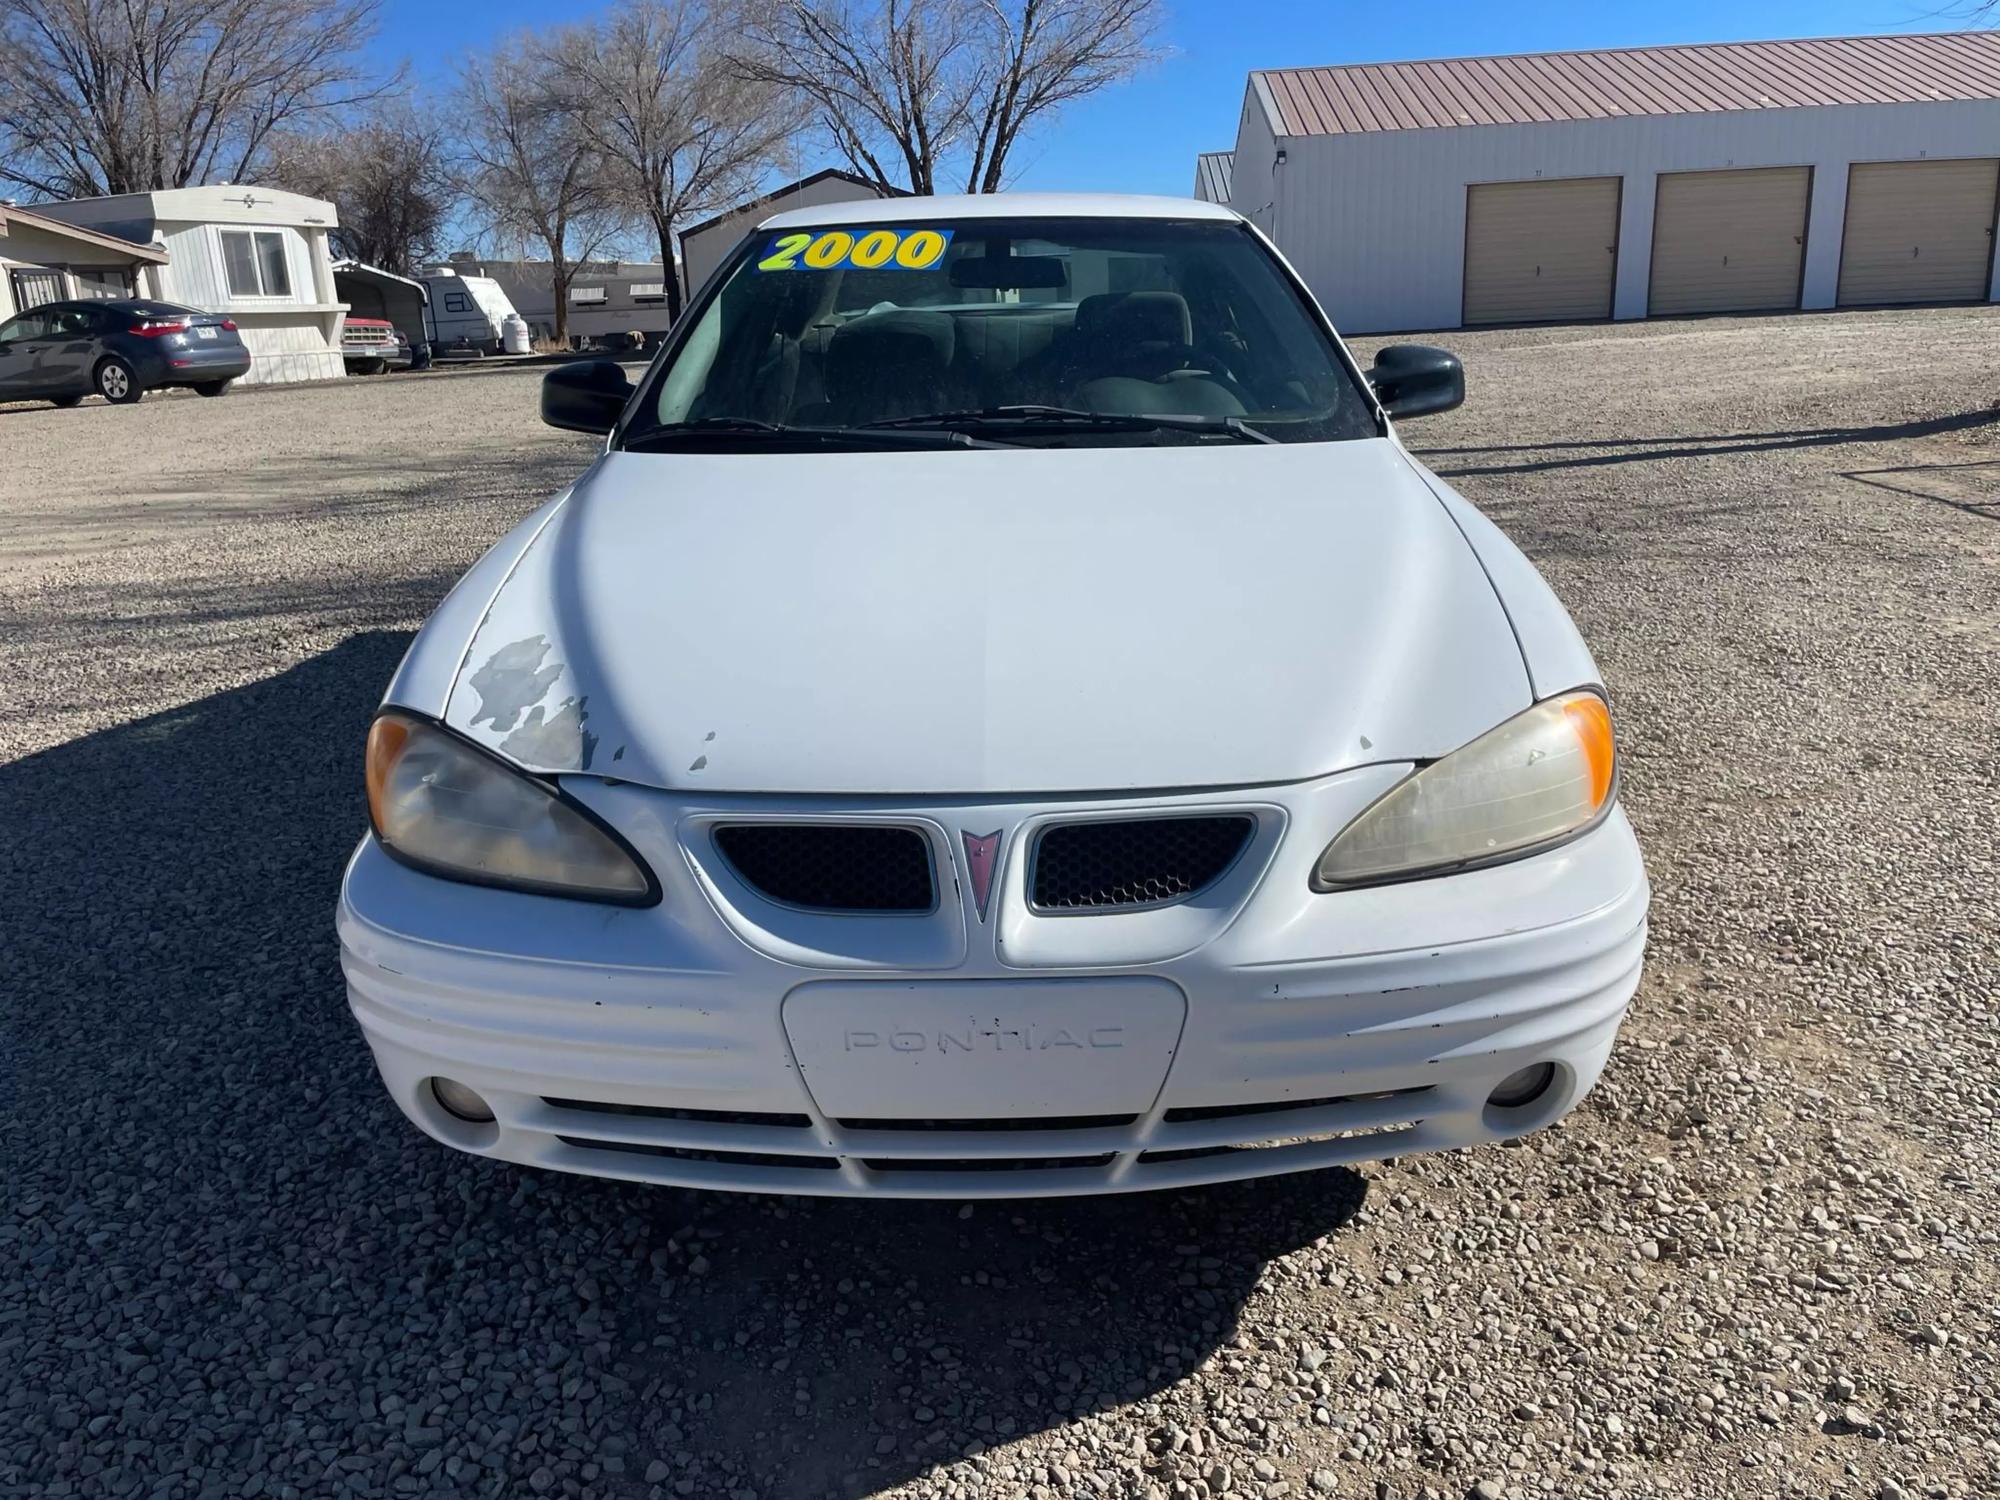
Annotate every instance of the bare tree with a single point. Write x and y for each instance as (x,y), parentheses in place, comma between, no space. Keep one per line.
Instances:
(676,131)
(1039,55)
(123,96)
(529,166)
(924,86)
(889,82)
(390,176)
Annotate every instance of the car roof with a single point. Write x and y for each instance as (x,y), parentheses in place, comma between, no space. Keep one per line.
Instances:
(905,211)
(64,304)
(145,305)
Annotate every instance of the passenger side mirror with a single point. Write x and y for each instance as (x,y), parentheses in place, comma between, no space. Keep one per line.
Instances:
(586,396)
(1415,380)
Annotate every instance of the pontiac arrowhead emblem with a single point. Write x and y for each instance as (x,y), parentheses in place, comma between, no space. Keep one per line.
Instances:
(981,850)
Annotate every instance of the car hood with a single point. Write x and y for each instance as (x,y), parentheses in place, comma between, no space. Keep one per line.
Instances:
(991,621)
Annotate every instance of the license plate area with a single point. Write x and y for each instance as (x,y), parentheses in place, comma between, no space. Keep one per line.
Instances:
(984,1049)
(204,331)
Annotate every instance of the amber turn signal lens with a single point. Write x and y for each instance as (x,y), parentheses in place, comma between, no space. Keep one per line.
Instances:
(1547,773)
(1590,720)
(386,738)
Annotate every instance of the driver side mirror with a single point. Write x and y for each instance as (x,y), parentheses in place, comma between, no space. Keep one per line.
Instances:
(1415,380)
(586,396)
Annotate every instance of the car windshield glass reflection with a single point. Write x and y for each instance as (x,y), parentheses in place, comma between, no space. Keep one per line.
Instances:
(1083,332)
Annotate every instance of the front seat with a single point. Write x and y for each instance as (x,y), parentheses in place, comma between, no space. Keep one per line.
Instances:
(1141,335)
(890,364)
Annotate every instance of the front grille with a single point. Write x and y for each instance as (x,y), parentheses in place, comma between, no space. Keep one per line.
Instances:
(984,1163)
(703,1154)
(1283,1106)
(852,867)
(674,1112)
(1134,862)
(795,1151)
(1290,1143)
(1017,1123)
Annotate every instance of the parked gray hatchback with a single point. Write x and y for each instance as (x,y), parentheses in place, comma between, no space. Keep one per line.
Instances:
(64,351)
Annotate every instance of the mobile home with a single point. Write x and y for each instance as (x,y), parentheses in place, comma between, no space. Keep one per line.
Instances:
(46,260)
(257,254)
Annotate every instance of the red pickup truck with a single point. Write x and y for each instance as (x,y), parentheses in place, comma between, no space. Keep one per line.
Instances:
(372,345)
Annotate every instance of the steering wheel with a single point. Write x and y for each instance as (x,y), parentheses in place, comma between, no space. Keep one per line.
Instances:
(1208,364)
(1172,361)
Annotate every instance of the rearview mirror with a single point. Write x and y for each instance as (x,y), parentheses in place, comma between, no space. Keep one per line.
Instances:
(1415,380)
(586,396)
(1010,273)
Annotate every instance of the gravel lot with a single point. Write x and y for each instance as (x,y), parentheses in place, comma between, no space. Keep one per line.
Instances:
(1761,1260)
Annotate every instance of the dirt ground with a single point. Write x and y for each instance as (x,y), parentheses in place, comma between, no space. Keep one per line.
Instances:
(1760,1260)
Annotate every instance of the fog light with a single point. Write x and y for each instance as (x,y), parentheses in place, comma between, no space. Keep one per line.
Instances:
(1523,1087)
(459,1100)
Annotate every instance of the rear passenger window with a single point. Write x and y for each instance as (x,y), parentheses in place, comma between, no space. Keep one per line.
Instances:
(30,325)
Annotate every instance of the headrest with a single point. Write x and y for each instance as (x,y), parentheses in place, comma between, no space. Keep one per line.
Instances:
(1135,318)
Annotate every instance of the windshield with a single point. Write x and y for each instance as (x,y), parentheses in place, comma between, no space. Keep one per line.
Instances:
(1042,331)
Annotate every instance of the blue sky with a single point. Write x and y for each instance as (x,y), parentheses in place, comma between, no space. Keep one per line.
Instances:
(1143,136)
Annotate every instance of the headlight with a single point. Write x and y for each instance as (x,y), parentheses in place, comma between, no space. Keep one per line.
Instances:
(447,807)
(1541,777)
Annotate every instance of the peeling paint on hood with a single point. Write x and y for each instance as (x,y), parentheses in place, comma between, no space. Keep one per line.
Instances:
(512,680)
(515,688)
(992,621)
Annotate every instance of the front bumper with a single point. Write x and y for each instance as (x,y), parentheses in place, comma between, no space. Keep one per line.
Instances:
(666,1045)
(390,356)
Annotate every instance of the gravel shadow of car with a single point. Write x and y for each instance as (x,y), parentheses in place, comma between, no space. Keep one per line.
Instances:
(228,1265)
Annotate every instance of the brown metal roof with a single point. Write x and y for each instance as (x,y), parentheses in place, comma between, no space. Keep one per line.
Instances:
(1544,86)
(1212,171)
(766,199)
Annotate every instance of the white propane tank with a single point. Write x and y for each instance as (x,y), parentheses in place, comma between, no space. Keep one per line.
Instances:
(514,334)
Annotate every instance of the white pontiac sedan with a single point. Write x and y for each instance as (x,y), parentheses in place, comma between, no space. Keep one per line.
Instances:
(1004,716)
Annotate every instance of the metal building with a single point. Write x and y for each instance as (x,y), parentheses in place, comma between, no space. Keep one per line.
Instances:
(1211,176)
(371,292)
(1649,181)
(706,245)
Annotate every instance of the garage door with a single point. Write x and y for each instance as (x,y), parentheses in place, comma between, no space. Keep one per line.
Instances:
(1540,252)
(1729,241)
(1918,231)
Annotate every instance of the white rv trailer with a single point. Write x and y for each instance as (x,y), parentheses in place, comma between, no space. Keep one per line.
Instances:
(465,309)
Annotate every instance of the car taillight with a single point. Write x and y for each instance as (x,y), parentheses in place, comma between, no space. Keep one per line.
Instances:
(153,328)
(229,324)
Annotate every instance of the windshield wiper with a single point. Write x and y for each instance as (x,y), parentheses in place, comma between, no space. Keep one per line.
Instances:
(704,429)
(1032,416)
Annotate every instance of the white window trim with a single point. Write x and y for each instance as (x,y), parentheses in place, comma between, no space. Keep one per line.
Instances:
(590,295)
(271,299)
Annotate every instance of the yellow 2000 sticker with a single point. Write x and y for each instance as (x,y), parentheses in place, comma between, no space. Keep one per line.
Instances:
(849,250)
